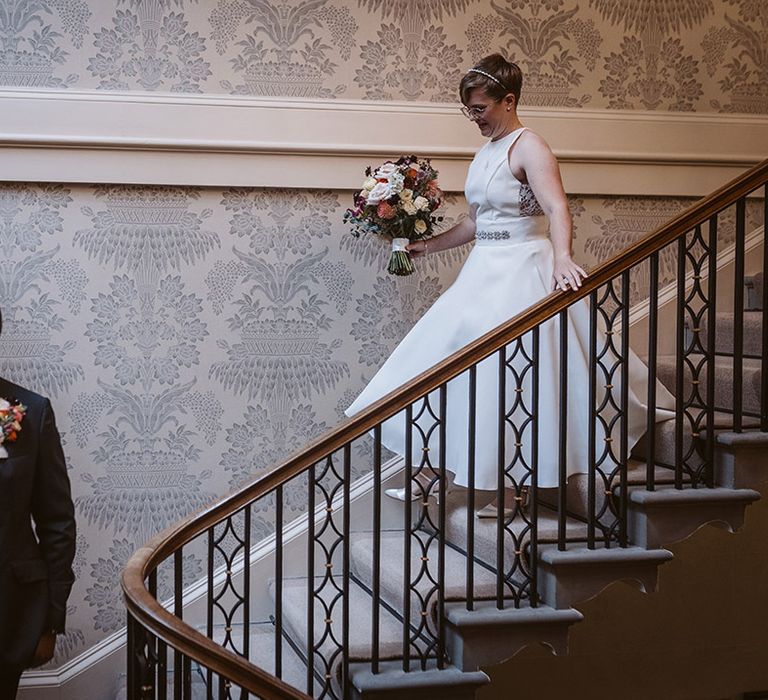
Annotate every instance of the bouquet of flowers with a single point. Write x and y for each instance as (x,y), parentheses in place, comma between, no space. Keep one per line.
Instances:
(397,201)
(11,415)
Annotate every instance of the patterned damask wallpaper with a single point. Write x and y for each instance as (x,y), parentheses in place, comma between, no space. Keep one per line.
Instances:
(681,55)
(191,338)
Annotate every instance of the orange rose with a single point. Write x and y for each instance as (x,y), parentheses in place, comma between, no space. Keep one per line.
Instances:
(386,210)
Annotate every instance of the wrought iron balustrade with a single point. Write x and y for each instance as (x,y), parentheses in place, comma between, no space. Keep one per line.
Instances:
(188,640)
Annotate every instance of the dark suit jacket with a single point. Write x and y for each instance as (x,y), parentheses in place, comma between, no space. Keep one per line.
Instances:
(35,557)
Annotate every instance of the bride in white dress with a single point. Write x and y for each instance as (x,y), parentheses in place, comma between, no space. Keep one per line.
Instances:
(521,224)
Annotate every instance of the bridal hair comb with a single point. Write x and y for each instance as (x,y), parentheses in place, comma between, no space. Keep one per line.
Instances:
(488,75)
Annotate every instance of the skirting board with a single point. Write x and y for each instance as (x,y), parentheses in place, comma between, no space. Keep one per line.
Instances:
(209,140)
(94,674)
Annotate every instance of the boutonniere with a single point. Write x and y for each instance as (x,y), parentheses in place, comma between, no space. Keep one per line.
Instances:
(11,414)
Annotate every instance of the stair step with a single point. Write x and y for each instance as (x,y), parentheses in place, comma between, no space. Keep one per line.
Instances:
(329,617)
(487,636)
(740,459)
(725,330)
(261,650)
(754,296)
(724,378)
(485,528)
(392,682)
(392,575)
(668,515)
(578,573)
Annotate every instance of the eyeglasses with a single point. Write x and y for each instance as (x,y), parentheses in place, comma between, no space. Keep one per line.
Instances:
(473,113)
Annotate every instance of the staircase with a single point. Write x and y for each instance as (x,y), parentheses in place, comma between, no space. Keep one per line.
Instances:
(486,635)
(416,601)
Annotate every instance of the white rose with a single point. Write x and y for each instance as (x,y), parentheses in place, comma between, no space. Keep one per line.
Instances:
(409,208)
(396,182)
(380,191)
(422,203)
(369,184)
(420,226)
(386,170)
(406,194)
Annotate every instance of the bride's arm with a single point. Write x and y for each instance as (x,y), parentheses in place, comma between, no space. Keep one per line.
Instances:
(461,233)
(542,173)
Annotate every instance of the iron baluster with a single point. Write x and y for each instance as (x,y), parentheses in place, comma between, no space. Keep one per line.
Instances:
(209,606)
(346,568)
(680,362)
(534,486)
(246,599)
(738,317)
(279,582)
(376,612)
(162,670)
(624,446)
(407,529)
(311,581)
(563,432)
(187,673)
(501,481)
(711,335)
(592,436)
(653,349)
(441,530)
(471,438)
(178,611)
(132,680)
(764,359)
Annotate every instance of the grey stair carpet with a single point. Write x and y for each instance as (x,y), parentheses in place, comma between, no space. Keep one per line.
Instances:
(423,600)
(665,440)
(754,296)
(329,623)
(724,332)
(485,529)
(262,654)
(724,377)
(261,650)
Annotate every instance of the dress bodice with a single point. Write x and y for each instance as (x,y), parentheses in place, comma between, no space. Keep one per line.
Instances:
(506,209)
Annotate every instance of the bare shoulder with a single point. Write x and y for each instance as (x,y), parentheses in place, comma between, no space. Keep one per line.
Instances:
(531,144)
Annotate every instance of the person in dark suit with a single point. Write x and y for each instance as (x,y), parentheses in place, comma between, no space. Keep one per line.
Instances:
(37,539)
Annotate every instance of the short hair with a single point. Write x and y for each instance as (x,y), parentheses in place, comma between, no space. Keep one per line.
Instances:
(508,75)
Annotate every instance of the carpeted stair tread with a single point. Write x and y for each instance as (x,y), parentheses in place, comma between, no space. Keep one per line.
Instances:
(295,615)
(724,376)
(754,296)
(393,568)
(485,529)
(724,332)
(262,654)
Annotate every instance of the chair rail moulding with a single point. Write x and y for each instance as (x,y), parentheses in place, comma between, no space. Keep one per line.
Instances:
(144,138)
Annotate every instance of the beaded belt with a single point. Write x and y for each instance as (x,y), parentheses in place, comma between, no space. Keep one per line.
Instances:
(493,235)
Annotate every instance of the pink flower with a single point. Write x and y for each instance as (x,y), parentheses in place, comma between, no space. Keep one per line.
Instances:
(386,210)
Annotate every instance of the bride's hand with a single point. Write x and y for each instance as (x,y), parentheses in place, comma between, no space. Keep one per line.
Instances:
(417,249)
(567,274)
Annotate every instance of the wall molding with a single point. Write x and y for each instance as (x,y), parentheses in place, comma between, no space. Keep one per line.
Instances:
(210,140)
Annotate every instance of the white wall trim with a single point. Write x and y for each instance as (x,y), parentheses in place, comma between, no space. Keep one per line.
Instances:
(211,140)
(74,667)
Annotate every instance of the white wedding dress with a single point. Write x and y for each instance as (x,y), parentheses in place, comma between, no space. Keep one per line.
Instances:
(509,269)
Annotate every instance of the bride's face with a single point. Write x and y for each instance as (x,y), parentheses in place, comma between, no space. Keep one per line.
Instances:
(490,115)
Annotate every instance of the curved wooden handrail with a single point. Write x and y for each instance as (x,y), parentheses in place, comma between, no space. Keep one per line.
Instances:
(144,607)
